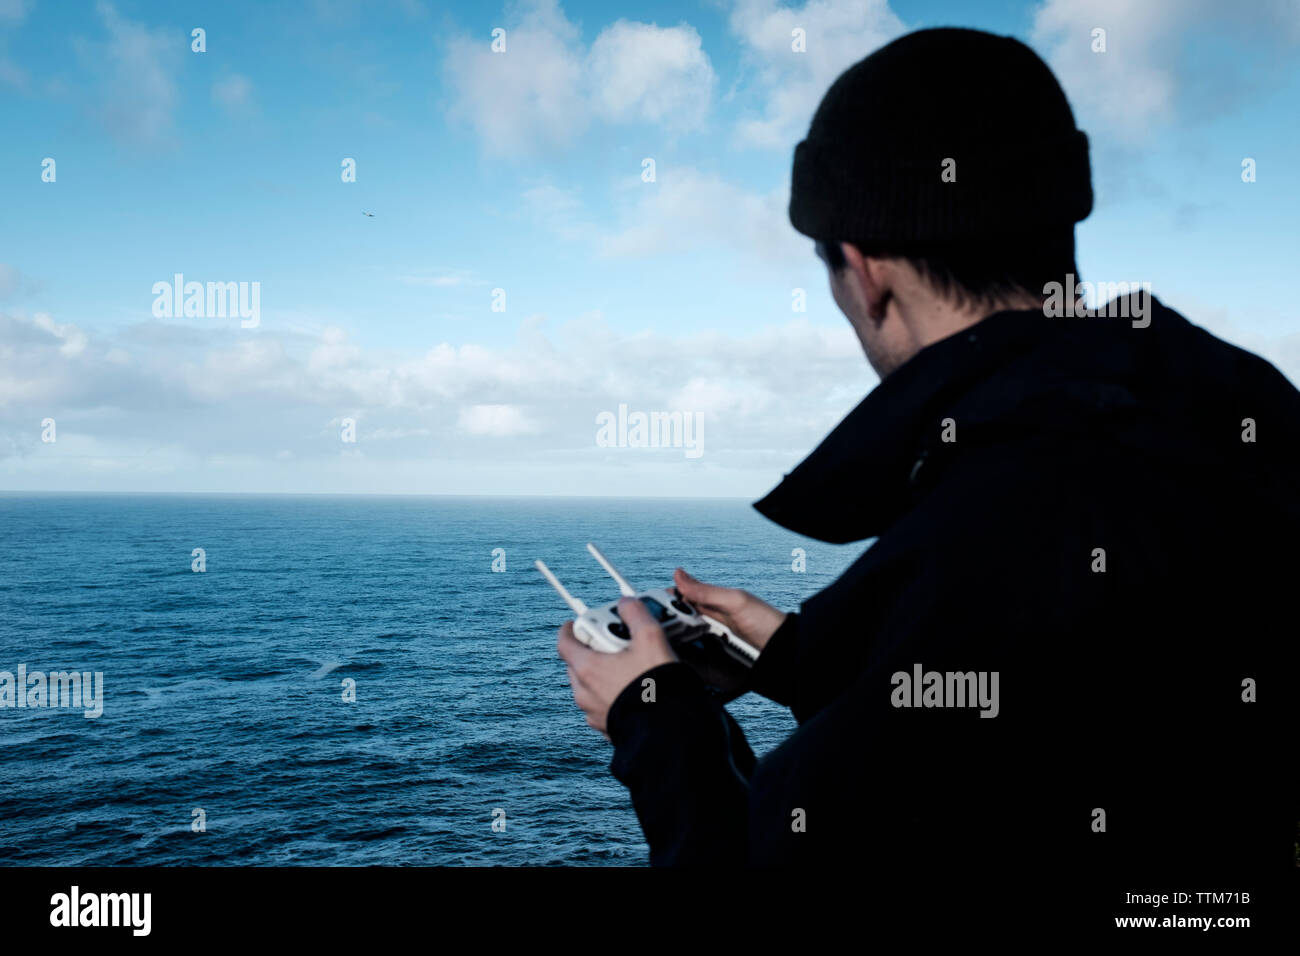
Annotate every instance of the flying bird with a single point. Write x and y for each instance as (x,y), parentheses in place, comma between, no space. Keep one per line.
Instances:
(370,214)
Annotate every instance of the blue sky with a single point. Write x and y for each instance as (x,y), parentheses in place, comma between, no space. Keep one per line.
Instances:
(522,171)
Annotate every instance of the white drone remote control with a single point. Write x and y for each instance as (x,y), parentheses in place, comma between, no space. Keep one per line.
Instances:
(602,629)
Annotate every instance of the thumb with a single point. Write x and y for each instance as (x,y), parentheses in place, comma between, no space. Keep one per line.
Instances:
(636,617)
(697,592)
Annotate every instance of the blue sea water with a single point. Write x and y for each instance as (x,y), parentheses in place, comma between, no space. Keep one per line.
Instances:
(223,689)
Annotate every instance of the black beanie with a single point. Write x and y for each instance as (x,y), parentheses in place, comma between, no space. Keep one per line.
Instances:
(871,168)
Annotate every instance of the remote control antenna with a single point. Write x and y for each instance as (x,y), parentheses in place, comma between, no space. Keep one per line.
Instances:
(623,587)
(576,606)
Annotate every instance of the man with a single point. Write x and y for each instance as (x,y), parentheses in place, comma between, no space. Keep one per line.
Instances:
(1063,653)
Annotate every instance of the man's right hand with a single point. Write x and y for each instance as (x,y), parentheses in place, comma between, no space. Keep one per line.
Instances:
(749,618)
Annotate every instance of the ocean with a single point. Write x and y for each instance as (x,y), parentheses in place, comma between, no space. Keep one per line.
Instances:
(225,738)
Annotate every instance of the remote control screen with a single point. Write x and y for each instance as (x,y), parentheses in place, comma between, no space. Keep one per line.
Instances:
(657,610)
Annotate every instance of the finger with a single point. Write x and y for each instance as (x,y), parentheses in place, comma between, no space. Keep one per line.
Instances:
(637,618)
(571,650)
(575,681)
(586,701)
(634,614)
(709,595)
(582,695)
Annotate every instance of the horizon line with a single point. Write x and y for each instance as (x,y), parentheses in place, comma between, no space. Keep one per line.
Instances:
(358,494)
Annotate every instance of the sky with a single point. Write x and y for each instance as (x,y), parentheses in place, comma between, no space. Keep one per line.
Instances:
(520,277)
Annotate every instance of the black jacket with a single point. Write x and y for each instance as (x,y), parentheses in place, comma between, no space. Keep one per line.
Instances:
(1119,690)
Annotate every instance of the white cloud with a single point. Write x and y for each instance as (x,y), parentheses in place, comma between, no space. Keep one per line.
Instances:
(1285,15)
(528,95)
(170,407)
(545,88)
(390,434)
(72,340)
(1131,86)
(641,71)
(11,74)
(838,34)
(498,421)
(13,284)
(14,11)
(163,406)
(1150,68)
(233,93)
(560,210)
(12,14)
(686,209)
(351,12)
(138,66)
(441,280)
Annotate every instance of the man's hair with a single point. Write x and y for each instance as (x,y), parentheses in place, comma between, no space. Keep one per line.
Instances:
(986,273)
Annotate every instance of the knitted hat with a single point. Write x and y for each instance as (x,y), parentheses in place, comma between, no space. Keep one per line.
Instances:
(980,110)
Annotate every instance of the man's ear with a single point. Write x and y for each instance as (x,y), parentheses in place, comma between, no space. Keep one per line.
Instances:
(874,278)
